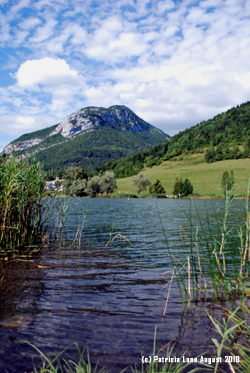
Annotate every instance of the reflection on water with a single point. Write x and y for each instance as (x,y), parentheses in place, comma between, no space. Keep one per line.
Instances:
(108,300)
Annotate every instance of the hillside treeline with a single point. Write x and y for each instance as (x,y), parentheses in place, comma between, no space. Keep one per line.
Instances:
(226,136)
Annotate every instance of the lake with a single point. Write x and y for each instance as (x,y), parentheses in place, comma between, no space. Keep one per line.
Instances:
(107,299)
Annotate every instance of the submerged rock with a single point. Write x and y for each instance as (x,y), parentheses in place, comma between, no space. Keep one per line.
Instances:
(16,321)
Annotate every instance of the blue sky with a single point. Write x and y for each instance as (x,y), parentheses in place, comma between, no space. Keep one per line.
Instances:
(174,63)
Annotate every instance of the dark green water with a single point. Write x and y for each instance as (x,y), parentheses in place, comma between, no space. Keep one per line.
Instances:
(108,300)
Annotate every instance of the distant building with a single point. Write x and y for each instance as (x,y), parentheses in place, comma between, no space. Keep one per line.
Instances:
(51,184)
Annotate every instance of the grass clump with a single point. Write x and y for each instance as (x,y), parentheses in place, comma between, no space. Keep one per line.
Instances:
(57,365)
(234,338)
(21,204)
(150,364)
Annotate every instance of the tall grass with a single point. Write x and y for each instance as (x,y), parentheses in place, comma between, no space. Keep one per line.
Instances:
(214,261)
(213,264)
(21,204)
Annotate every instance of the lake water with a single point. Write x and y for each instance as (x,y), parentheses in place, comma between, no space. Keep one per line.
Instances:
(107,299)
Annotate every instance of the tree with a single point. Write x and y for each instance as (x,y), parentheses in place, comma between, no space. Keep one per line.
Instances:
(182,188)
(74,181)
(101,184)
(219,154)
(177,187)
(140,182)
(236,152)
(77,188)
(246,151)
(151,161)
(93,186)
(108,182)
(210,155)
(187,188)
(157,188)
(227,181)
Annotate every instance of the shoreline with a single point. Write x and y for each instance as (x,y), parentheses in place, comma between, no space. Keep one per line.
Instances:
(150,197)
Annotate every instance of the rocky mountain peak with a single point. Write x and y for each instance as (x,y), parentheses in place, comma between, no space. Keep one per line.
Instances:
(86,119)
(116,126)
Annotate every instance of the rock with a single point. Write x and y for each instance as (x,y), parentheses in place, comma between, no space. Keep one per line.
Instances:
(16,321)
(87,118)
(19,146)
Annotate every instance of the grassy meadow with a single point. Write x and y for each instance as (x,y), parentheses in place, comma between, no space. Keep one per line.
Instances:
(205,177)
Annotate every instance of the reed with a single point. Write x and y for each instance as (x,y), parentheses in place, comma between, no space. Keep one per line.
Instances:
(22,207)
(214,260)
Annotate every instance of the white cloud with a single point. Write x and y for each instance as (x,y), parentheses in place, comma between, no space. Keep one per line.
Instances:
(173,63)
(46,72)
(29,23)
(244,80)
(162,6)
(65,99)
(79,35)
(105,95)
(20,5)
(44,32)
(16,125)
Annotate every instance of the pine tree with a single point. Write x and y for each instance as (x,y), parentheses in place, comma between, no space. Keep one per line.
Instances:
(157,188)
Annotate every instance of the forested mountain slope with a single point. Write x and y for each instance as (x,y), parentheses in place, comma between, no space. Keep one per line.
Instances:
(226,136)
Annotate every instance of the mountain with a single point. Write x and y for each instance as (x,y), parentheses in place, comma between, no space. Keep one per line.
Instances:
(226,136)
(88,138)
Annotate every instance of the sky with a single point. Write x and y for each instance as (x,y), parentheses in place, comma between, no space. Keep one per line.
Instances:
(173,62)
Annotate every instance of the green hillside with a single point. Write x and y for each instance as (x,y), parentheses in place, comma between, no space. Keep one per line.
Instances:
(205,177)
(92,149)
(226,136)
